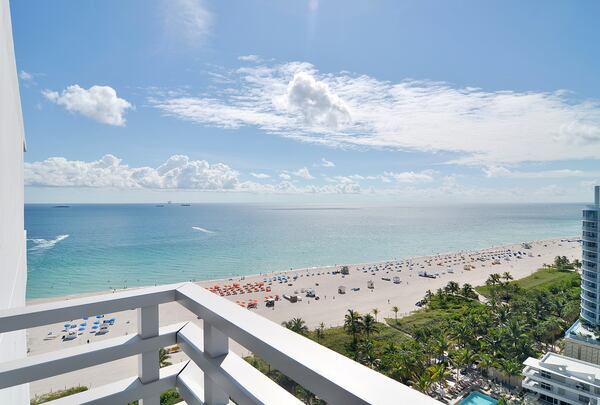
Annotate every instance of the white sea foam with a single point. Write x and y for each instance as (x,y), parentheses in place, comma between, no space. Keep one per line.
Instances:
(197,228)
(44,244)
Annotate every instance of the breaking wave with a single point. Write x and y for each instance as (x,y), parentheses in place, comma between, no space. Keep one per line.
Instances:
(45,244)
(197,228)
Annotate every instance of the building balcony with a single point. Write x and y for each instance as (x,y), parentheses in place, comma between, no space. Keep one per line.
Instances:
(588,302)
(590,276)
(591,319)
(586,285)
(213,374)
(588,296)
(589,254)
(567,395)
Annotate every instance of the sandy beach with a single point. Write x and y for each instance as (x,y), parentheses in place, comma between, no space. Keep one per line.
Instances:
(395,283)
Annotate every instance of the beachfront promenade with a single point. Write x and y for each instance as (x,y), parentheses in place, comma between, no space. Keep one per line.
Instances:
(212,373)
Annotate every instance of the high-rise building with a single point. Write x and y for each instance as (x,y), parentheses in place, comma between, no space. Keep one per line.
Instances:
(559,379)
(590,293)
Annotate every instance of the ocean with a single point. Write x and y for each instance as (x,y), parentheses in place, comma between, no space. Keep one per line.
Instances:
(94,247)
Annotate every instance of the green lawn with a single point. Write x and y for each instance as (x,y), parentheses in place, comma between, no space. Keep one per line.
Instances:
(542,279)
(455,309)
(336,338)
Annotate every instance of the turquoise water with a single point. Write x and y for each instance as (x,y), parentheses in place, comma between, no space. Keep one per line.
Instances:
(97,247)
(478,398)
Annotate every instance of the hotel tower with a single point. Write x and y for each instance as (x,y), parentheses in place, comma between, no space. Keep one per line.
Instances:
(590,294)
(573,377)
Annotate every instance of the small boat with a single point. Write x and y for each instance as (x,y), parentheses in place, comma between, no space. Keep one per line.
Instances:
(62,206)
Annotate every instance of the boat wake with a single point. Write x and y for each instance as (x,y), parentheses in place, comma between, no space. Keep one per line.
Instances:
(45,244)
(197,228)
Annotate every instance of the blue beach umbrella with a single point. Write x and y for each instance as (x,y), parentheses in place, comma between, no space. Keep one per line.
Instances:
(81,329)
(83,324)
(96,322)
(95,327)
(66,325)
(85,318)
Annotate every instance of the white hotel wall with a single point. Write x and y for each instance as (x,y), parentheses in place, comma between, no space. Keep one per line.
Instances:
(13,259)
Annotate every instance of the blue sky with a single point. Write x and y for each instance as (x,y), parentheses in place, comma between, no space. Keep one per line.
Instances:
(309,100)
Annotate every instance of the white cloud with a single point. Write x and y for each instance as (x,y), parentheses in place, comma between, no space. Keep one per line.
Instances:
(500,171)
(25,76)
(303,173)
(99,103)
(249,58)
(409,177)
(327,163)
(285,176)
(178,172)
(260,175)
(188,20)
(483,127)
(315,102)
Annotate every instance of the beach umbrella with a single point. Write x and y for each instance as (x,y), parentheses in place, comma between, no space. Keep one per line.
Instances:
(85,318)
(83,324)
(99,316)
(96,322)
(81,329)
(66,325)
(95,327)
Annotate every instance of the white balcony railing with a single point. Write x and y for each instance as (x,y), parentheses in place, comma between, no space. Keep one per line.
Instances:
(214,374)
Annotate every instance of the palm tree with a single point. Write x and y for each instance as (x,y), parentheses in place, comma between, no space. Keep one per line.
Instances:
(428,295)
(552,327)
(468,291)
(441,345)
(493,279)
(422,382)
(353,324)
(506,276)
(485,362)
(366,355)
(460,358)
(439,374)
(511,368)
(369,325)
(502,314)
(297,325)
(163,358)
(395,310)
(375,312)
(320,331)
(459,333)
(452,287)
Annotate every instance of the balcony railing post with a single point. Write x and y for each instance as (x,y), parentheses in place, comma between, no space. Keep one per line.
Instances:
(216,344)
(148,363)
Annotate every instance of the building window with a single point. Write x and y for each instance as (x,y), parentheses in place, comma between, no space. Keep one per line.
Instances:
(546,375)
(548,399)
(582,386)
(545,386)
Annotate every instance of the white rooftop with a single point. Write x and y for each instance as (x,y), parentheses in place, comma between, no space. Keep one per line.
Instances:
(581,370)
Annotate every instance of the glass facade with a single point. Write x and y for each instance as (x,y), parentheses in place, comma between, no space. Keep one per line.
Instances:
(590,311)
